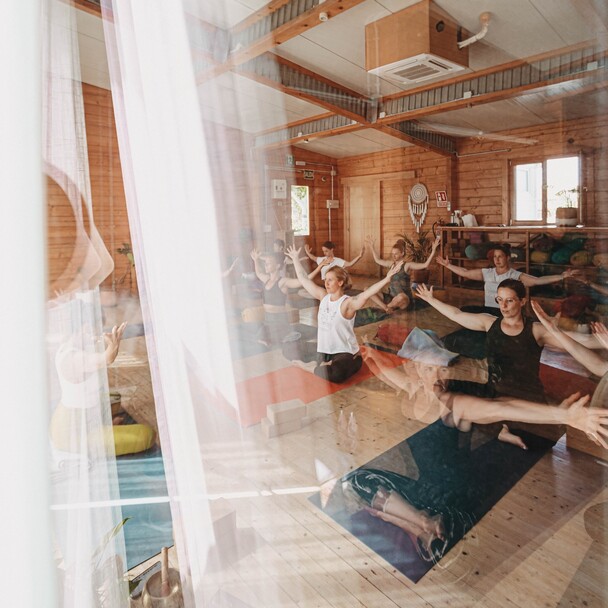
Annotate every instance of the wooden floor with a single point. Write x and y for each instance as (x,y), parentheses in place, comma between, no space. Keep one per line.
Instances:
(543,544)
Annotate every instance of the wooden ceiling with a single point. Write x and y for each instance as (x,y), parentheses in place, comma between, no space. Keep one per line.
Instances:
(304,81)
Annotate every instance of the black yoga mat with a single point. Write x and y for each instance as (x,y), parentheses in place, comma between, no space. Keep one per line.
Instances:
(436,470)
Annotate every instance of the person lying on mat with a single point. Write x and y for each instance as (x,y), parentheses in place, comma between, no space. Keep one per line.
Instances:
(328,256)
(274,296)
(514,344)
(399,288)
(502,270)
(459,410)
(339,357)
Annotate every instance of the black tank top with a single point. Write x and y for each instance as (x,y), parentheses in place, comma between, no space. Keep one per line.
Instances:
(274,295)
(514,362)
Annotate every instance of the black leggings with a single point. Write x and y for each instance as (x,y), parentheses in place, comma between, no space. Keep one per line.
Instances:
(343,366)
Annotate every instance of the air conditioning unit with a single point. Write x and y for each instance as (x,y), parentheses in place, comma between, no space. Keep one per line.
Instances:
(416,44)
(417,69)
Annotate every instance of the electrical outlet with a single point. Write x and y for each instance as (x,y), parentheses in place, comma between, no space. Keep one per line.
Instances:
(332,204)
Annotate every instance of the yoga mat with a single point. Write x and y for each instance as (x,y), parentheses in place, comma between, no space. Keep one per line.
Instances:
(149,527)
(256,394)
(365,316)
(437,470)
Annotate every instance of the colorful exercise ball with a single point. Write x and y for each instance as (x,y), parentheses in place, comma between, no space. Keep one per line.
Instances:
(581,258)
(600,260)
(472,252)
(540,257)
(561,256)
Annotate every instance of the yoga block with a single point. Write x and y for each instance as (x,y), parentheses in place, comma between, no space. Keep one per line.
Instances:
(223,517)
(274,430)
(286,411)
(577,440)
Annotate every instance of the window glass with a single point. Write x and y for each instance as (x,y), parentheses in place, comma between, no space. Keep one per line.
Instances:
(299,210)
(528,192)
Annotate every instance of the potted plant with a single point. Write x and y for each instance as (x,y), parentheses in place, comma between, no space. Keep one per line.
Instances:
(567,213)
(417,249)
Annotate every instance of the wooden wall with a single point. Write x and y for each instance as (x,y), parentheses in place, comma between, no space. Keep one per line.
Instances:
(483,180)
(107,190)
(278,212)
(433,170)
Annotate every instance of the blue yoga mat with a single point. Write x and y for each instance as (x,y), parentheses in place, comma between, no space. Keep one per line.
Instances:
(149,527)
(439,471)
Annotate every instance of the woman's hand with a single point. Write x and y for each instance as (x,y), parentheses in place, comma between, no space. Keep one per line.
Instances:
(255,254)
(112,342)
(592,421)
(394,269)
(294,253)
(307,248)
(571,273)
(443,261)
(436,242)
(601,333)
(370,240)
(424,293)
(549,323)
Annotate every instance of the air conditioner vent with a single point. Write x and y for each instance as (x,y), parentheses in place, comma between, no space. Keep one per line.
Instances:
(417,69)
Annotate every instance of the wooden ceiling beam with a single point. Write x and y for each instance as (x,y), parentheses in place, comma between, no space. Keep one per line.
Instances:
(417,141)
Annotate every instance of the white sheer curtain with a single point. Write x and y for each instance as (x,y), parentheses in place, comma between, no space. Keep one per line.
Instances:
(84,488)
(26,559)
(174,229)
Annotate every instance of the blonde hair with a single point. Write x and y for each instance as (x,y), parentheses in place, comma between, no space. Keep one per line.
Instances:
(341,275)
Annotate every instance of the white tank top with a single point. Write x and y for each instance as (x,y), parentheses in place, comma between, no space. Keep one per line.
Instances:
(336,334)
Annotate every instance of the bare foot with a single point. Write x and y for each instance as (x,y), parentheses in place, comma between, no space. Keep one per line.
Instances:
(433,525)
(508,437)
(309,367)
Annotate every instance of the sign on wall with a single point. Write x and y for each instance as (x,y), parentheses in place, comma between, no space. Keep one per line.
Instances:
(309,174)
(442,198)
(279,188)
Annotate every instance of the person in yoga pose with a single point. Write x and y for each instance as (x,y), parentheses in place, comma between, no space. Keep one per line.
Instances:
(424,381)
(494,275)
(274,296)
(513,347)
(339,357)
(399,288)
(329,258)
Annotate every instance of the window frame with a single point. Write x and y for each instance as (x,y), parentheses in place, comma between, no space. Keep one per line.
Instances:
(514,163)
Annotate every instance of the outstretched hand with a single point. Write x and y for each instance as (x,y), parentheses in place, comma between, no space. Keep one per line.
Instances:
(294,253)
(443,261)
(307,248)
(592,421)
(255,254)
(370,240)
(112,341)
(601,333)
(549,323)
(437,242)
(424,293)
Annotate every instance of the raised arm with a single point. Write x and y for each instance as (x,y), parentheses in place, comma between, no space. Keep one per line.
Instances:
(477,322)
(530,281)
(309,253)
(551,335)
(256,256)
(310,286)
(474,274)
(352,305)
(425,264)
(355,259)
(572,411)
(370,241)
(312,275)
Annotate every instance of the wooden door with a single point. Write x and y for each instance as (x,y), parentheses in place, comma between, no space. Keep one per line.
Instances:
(363,216)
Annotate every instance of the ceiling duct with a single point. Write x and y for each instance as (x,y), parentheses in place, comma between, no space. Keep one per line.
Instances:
(416,44)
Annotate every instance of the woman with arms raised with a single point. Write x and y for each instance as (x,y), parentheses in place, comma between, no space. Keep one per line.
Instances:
(399,287)
(491,277)
(339,357)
